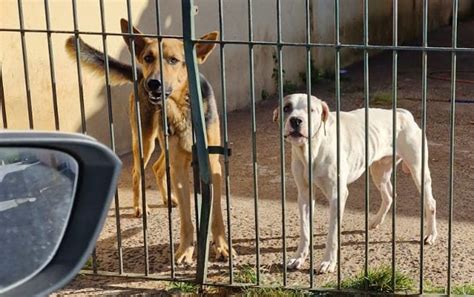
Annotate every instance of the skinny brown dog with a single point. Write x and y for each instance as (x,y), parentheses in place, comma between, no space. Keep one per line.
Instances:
(152,94)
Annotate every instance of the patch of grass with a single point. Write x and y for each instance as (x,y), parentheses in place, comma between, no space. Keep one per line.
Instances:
(88,265)
(246,275)
(379,280)
(431,289)
(183,287)
(270,292)
(466,289)
(381,98)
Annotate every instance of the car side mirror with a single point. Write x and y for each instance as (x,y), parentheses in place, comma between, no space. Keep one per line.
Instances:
(55,191)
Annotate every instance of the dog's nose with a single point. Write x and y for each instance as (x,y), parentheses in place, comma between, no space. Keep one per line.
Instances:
(295,123)
(154,84)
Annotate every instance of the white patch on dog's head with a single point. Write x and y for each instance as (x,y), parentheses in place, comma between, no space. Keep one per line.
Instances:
(295,117)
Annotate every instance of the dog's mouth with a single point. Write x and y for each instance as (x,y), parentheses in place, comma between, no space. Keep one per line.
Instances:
(156,97)
(295,134)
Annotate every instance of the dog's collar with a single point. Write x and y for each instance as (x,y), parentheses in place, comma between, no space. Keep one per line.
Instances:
(319,128)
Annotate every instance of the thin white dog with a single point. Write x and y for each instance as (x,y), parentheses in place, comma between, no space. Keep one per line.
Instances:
(352,163)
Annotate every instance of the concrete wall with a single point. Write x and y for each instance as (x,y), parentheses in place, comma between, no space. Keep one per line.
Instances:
(237,69)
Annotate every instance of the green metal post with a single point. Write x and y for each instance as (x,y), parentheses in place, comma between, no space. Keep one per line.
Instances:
(188,10)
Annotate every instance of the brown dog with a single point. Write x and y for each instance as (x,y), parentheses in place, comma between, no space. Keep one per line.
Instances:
(151,93)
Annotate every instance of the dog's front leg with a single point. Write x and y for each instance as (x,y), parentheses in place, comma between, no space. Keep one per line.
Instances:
(303,246)
(303,206)
(180,179)
(330,255)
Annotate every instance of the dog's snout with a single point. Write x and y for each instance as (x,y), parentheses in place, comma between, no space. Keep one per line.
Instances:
(295,122)
(154,84)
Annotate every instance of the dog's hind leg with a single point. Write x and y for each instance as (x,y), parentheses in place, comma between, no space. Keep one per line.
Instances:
(410,151)
(381,172)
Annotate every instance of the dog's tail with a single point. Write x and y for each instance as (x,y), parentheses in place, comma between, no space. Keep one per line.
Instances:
(94,61)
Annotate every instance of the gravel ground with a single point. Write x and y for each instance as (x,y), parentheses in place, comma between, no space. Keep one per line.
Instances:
(269,189)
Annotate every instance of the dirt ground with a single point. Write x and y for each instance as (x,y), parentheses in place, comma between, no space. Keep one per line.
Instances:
(269,189)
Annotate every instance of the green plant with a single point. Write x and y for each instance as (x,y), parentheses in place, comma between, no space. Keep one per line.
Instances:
(466,289)
(316,75)
(183,287)
(88,264)
(270,292)
(288,86)
(431,289)
(381,98)
(275,70)
(378,280)
(276,291)
(246,275)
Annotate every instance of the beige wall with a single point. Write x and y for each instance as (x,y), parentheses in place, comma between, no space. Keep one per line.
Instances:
(236,28)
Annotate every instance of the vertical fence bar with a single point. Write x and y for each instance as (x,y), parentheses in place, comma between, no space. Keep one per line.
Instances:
(254,139)
(25,65)
(2,101)
(394,129)
(226,141)
(423,138)
(140,139)
(51,65)
(165,149)
(188,11)
(108,95)
(79,71)
(338,138)
(452,115)
(81,96)
(310,137)
(282,141)
(197,185)
(367,173)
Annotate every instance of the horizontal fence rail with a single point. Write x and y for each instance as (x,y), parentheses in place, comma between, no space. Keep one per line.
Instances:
(203,174)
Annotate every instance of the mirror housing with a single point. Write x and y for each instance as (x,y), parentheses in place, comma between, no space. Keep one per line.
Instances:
(99,169)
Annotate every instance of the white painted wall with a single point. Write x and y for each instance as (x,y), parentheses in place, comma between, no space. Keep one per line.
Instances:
(143,12)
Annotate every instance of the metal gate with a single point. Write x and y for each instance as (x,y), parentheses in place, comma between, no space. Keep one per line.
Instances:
(202,178)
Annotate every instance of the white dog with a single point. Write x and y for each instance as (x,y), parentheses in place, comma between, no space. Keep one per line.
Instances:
(352,163)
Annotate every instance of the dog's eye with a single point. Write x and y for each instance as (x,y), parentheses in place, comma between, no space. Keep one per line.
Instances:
(287,108)
(172,61)
(149,59)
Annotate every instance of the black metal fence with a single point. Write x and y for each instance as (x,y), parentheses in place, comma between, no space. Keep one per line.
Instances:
(203,189)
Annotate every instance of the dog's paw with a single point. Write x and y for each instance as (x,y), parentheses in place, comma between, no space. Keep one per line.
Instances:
(295,263)
(431,238)
(222,251)
(326,267)
(184,255)
(138,211)
(374,224)
(174,201)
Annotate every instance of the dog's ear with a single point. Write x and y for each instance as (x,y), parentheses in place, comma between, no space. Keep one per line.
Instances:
(140,41)
(276,114)
(325,112)
(203,50)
